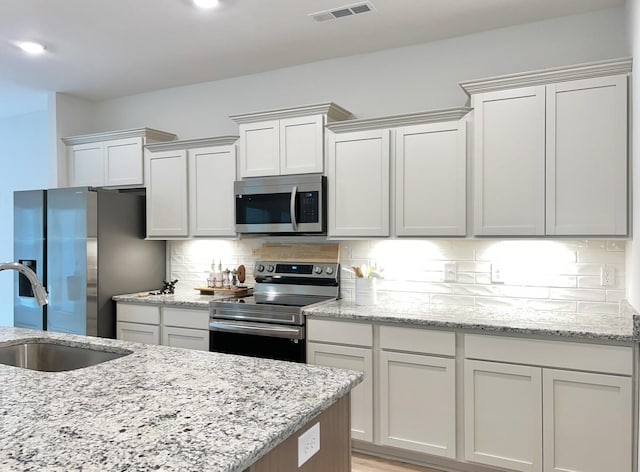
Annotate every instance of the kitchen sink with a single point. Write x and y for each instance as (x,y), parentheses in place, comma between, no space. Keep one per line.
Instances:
(49,356)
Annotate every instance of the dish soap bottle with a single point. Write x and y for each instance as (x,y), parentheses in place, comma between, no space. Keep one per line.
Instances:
(219,275)
(211,280)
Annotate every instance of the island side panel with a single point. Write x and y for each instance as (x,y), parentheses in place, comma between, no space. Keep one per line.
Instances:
(335,445)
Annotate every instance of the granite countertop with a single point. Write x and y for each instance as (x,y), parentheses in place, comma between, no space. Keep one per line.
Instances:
(157,408)
(184,299)
(622,327)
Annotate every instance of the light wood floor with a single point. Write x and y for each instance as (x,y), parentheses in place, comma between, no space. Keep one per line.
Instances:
(366,463)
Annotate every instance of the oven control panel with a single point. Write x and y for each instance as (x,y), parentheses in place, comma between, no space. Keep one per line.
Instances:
(291,269)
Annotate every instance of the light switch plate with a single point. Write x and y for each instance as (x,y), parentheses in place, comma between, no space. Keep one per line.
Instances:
(308,444)
(450,272)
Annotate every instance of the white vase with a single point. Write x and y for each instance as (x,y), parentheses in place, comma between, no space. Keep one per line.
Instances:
(366,293)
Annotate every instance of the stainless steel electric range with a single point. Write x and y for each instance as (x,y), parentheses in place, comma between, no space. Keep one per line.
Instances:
(270,323)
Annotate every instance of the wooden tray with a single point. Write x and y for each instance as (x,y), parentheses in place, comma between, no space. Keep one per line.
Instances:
(235,292)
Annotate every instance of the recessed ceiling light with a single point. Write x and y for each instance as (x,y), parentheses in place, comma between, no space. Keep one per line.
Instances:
(206,3)
(31,47)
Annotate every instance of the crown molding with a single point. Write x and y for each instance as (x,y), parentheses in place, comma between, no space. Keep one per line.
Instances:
(148,133)
(546,76)
(433,116)
(192,143)
(331,110)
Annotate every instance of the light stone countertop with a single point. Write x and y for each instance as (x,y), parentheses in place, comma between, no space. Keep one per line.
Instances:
(184,299)
(410,311)
(157,408)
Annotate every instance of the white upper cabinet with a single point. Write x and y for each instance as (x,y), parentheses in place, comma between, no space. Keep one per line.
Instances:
(550,152)
(430,161)
(167,202)
(286,141)
(190,188)
(508,162)
(587,157)
(358,180)
(212,171)
(429,188)
(113,159)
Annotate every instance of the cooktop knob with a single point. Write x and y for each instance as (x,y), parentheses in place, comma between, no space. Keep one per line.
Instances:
(259,267)
(329,270)
(317,269)
(270,268)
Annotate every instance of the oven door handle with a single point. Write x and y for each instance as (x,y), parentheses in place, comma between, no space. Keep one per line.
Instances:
(292,207)
(257,329)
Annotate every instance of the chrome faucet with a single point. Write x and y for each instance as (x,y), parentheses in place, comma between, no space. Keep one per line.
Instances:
(38,290)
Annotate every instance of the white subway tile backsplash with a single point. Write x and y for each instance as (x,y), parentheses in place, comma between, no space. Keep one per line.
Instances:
(577,294)
(561,275)
(600,256)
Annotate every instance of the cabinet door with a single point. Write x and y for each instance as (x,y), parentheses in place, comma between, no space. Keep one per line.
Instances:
(508,162)
(212,172)
(138,332)
(359,184)
(353,358)
(587,422)
(302,145)
(86,165)
(186,338)
(417,403)
(123,163)
(587,157)
(431,179)
(503,415)
(260,149)
(167,203)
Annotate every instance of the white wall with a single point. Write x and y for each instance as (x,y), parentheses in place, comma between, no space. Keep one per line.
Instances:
(394,81)
(25,165)
(69,116)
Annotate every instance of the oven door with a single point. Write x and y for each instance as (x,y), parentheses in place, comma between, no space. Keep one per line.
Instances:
(266,340)
(272,205)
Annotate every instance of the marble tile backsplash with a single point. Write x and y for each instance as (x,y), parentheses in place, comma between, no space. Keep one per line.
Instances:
(560,275)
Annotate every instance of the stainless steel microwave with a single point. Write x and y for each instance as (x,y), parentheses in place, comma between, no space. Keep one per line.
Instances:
(293,204)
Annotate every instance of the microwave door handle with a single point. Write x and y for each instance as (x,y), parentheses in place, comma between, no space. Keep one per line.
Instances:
(292,207)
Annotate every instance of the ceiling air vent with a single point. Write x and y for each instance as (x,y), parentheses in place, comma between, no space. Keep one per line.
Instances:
(342,12)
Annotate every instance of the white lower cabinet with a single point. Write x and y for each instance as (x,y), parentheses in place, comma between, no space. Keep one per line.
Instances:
(503,415)
(544,416)
(587,422)
(353,358)
(166,325)
(138,332)
(185,328)
(347,345)
(417,403)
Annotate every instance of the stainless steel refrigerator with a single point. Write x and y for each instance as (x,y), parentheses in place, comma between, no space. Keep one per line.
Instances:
(85,245)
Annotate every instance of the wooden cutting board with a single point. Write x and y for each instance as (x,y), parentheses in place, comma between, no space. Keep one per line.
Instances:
(329,252)
(234,292)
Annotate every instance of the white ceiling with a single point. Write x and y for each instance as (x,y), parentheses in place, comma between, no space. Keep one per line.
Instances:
(101,49)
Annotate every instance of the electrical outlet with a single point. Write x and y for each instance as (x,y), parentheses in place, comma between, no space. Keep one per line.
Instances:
(497,277)
(450,272)
(308,444)
(607,276)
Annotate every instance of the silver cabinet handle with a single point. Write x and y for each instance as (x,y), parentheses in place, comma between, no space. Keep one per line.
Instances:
(292,207)
(257,329)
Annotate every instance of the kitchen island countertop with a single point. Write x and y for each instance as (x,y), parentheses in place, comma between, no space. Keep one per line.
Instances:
(157,408)
(622,327)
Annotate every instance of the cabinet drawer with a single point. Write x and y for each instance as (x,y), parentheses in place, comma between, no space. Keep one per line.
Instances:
(340,332)
(135,313)
(138,333)
(425,341)
(186,338)
(548,353)
(182,318)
